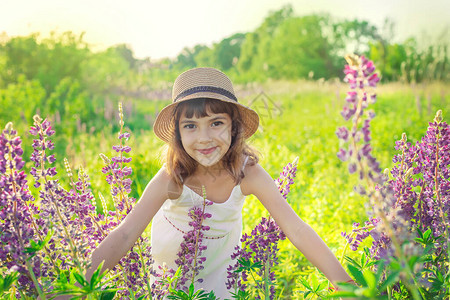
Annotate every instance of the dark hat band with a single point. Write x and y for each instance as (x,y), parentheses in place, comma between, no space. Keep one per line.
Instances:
(203,88)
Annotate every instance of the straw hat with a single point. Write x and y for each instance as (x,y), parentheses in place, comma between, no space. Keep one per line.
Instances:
(202,83)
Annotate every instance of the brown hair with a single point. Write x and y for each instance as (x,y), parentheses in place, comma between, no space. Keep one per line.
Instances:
(180,165)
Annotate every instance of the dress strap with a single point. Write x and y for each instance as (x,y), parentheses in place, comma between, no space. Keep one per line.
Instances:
(245,163)
(179,175)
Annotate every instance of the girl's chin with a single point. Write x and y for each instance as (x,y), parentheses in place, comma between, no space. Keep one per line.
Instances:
(208,162)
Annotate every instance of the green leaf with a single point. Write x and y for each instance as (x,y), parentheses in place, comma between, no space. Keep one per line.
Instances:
(412,261)
(380,269)
(370,278)
(323,285)
(427,234)
(96,276)
(7,281)
(339,294)
(357,274)
(353,262)
(39,245)
(314,282)
(107,295)
(390,279)
(80,279)
(191,289)
(305,283)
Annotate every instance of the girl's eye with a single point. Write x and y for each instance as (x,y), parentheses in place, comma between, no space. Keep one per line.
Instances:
(189,126)
(217,123)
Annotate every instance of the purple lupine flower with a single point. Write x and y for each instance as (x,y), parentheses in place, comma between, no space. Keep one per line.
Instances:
(342,133)
(190,257)
(66,212)
(361,70)
(137,264)
(342,154)
(416,196)
(420,178)
(373,80)
(18,227)
(118,173)
(359,233)
(262,244)
(418,193)
(286,178)
(88,222)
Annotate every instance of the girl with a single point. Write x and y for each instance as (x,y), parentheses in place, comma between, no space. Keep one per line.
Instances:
(205,128)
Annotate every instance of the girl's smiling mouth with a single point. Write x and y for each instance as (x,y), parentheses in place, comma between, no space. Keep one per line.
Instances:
(207,150)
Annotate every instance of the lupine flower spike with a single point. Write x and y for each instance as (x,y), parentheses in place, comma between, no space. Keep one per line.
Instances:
(192,247)
(117,176)
(18,228)
(414,195)
(260,248)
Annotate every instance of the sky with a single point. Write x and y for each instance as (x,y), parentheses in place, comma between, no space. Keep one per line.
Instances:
(159,29)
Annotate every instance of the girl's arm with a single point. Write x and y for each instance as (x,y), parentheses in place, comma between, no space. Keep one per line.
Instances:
(259,183)
(121,239)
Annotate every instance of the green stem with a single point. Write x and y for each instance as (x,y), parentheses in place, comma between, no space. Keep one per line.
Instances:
(36,283)
(143,265)
(129,289)
(266,280)
(197,237)
(341,260)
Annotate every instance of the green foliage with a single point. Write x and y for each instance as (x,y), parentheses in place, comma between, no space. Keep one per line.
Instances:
(74,283)
(380,279)
(228,51)
(306,55)
(191,294)
(48,61)
(21,100)
(6,282)
(314,288)
(409,62)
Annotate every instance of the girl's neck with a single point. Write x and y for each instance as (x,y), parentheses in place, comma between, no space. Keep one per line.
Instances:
(210,173)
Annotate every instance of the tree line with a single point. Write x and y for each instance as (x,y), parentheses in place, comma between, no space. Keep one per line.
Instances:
(286,46)
(57,75)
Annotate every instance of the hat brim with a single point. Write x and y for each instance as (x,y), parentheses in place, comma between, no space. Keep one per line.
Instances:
(164,127)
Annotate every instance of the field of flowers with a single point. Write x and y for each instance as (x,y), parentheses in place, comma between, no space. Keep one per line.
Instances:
(298,119)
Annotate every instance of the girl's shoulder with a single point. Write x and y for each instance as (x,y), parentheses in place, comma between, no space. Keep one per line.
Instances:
(254,176)
(173,189)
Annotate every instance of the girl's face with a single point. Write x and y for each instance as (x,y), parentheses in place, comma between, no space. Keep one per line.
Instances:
(206,139)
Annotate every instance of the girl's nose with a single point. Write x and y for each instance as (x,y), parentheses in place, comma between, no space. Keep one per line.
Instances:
(204,136)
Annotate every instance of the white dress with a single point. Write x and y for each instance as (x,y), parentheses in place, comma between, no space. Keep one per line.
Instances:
(171,221)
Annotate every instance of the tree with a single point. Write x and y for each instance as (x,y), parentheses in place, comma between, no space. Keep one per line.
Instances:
(254,48)
(48,61)
(127,54)
(300,49)
(228,51)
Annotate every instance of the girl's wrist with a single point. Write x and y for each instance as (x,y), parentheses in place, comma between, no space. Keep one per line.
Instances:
(333,288)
